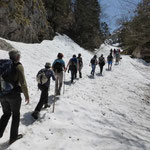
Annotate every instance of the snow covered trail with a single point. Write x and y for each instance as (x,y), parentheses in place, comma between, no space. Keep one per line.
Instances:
(109,112)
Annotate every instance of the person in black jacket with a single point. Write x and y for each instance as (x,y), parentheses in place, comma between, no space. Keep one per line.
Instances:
(80,65)
(101,63)
(93,64)
(44,90)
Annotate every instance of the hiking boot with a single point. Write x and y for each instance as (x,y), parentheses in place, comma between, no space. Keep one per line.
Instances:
(47,105)
(80,75)
(35,115)
(15,139)
(58,93)
(75,76)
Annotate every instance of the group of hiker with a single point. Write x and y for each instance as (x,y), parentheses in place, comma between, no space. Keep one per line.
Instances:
(94,62)
(114,54)
(13,83)
(43,77)
(75,64)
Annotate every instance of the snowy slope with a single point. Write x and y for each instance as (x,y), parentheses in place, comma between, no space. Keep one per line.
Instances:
(101,113)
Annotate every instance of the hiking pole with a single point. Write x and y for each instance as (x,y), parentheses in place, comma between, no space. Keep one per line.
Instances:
(54,102)
(54,96)
(64,84)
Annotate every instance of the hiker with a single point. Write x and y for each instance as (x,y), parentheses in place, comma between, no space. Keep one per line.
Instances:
(93,64)
(43,79)
(111,50)
(11,101)
(114,52)
(80,65)
(72,64)
(58,68)
(110,61)
(101,63)
(117,57)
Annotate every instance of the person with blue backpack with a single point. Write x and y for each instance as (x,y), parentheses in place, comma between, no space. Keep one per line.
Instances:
(12,83)
(58,68)
(43,79)
(72,64)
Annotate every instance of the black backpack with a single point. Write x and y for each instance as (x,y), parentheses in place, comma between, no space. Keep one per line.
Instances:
(73,64)
(7,74)
(101,61)
(58,67)
(110,58)
(93,61)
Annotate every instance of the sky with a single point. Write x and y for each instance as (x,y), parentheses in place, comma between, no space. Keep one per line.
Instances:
(114,9)
(109,112)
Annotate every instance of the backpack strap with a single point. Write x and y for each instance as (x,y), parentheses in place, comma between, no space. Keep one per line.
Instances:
(15,66)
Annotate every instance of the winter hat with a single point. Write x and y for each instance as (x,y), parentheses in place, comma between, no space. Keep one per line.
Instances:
(13,54)
(47,65)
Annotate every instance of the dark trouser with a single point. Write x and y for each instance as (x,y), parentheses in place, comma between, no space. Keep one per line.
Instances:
(43,99)
(80,74)
(101,68)
(93,69)
(73,74)
(11,105)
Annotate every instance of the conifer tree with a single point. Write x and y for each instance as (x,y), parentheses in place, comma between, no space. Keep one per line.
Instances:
(59,15)
(87,23)
(105,30)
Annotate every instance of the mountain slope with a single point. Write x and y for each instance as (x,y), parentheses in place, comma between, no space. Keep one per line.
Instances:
(101,113)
